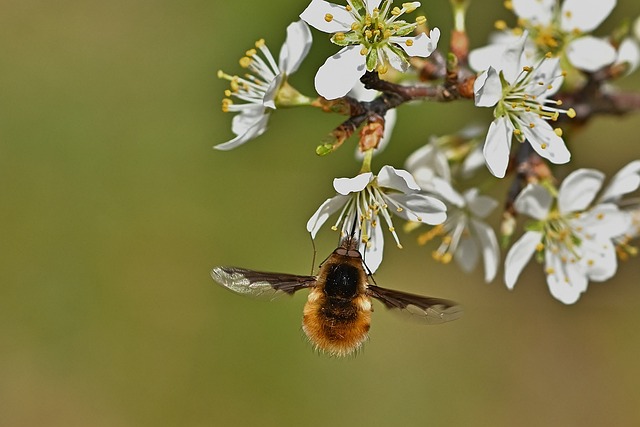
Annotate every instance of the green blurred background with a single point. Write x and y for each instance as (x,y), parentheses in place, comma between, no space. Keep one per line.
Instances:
(115,207)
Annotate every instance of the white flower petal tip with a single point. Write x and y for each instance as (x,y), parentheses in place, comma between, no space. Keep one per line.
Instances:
(519,255)
(487,88)
(584,15)
(347,186)
(590,53)
(340,73)
(497,147)
(296,47)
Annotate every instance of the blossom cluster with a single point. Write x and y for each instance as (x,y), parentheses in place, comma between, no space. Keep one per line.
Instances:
(543,79)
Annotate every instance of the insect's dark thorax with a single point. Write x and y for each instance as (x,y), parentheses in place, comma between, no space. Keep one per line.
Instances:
(341,281)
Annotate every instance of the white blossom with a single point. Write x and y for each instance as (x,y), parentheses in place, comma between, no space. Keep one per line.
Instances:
(464,235)
(363,201)
(559,31)
(266,87)
(371,36)
(519,93)
(573,239)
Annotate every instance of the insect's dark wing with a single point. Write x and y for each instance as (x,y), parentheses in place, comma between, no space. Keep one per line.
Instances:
(431,310)
(258,283)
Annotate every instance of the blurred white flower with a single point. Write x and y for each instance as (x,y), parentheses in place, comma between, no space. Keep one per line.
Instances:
(465,236)
(519,92)
(366,198)
(371,35)
(266,87)
(573,239)
(559,31)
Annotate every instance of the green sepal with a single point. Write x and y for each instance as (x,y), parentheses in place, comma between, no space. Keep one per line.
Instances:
(347,39)
(402,28)
(358,5)
(372,59)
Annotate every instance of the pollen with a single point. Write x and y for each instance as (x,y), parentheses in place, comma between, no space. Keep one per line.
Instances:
(571,113)
(517,132)
(348,8)
(532,125)
(382,69)
(500,25)
(396,11)
(558,131)
(420,20)
(409,42)
(355,26)
(508,5)
(364,51)
(245,62)
(410,7)
(328,17)
(539,247)
(260,43)
(550,270)
(339,36)
(543,146)
(600,216)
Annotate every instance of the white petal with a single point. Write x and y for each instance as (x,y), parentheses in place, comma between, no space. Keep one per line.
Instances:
(625,181)
(445,190)
(269,99)
(629,52)
(295,47)
(422,45)
(511,58)
(479,205)
(256,129)
(397,179)
(584,15)
(340,72)
(567,281)
(472,162)
(328,208)
(482,58)
(590,54)
(467,254)
(397,61)
(346,186)
(579,189)
(426,162)
(536,11)
(490,249)
(599,260)
(372,4)
(250,115)
(418,207)
(487,88)
(315,13)
(543,135)
(519,255)
(497,146)
(535,201)
(605,221)
(373,251)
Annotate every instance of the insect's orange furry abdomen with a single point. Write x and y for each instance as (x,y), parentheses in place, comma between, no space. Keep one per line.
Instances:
(336,326)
